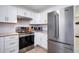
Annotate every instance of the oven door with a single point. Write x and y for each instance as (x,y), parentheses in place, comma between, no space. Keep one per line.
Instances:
(26,41)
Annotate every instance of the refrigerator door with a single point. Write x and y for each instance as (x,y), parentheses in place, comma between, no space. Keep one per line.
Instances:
(69,26)
(53,25)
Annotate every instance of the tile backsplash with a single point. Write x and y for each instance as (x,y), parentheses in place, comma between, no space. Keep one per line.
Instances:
(11,27)
(23,23)
(7,27)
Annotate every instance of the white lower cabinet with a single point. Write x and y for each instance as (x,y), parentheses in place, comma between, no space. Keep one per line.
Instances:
(44,40)
(41,39)
(76,45)
(12,50)
(1,44)
(9,44)
(37,38)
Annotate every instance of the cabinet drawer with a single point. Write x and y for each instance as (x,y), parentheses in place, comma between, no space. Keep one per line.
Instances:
(14,49)
(12,37)
(11,43)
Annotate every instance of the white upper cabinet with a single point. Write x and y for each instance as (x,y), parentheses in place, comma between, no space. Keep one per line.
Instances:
(35,18)
(8,14)
(40,18)
(76,11)
(12,14)
(3,13)
(43,18)
(23,12)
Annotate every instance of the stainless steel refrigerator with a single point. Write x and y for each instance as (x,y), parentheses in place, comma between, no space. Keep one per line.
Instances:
(55,45)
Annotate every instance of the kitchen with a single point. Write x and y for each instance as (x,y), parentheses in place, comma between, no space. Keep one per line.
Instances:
(29,29)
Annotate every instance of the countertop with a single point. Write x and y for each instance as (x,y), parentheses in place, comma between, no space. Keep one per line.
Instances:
(7,34)
(41,32)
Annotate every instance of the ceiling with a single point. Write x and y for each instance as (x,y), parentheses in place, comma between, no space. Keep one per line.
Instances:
(36,8)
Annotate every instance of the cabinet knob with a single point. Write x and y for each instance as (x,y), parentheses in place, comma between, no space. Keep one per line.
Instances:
(12,43)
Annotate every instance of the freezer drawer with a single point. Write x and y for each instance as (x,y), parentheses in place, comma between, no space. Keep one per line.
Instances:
(56,47)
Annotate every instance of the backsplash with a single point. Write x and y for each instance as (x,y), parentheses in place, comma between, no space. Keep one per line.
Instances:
(23,23)
(5,27)
(43,26)
(10,27)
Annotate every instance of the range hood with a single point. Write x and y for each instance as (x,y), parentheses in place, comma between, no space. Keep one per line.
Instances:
(23,18)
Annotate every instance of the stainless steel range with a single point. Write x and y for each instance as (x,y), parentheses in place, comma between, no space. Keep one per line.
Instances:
(26,41)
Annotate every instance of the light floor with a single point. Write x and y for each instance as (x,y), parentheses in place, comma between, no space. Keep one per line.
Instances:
(37,50)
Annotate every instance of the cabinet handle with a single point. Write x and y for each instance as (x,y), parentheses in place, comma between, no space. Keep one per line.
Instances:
(5,18)
(12,50)
(12,38)
(12,43)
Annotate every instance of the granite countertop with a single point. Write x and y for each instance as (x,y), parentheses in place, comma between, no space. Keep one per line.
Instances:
(7,34)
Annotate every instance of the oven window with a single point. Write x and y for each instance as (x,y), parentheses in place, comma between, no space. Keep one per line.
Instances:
(26,41)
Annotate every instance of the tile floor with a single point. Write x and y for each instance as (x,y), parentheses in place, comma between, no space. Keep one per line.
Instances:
(37,50)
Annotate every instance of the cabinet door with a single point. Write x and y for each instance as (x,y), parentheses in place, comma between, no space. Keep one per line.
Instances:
(15,49)
(20,12)
(23,12)
(1,44)
(34,17)
(12,43)
(76,45)
(76,11)
(41,39)
(12,14)
(44,40)
(43,18)
(28,14)
(37,39)
(3,13)
(37,19)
